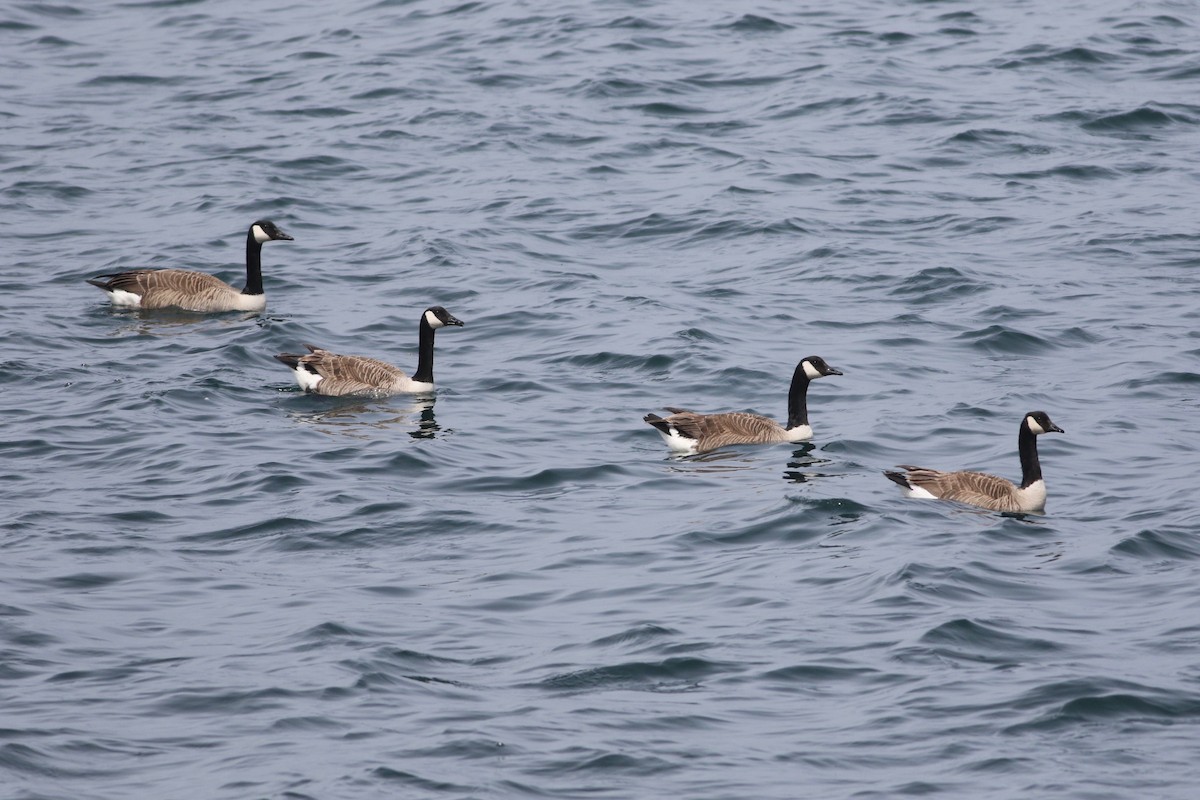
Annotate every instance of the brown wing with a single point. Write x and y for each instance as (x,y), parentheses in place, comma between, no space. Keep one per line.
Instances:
(976,488)
(675,410)
(350,375)
(173,288)
(721,430)
(686,422)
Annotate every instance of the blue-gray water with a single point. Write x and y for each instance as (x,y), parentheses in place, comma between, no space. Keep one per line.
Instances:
(216,587)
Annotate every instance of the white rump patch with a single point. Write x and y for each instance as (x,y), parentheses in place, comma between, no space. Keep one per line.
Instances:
(1033,425)
(677,442)
(120,297)
(917,493)
(812,372)
(308,381)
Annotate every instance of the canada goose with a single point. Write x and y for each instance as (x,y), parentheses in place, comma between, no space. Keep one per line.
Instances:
(689,432)
(981,489)
(195,291)
(323,372)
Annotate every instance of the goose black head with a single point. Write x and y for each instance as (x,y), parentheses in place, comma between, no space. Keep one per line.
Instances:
(815,367)
(264,231)
(438,317)
(1038,422)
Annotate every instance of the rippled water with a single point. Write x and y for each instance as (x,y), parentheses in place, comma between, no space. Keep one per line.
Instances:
(216,587)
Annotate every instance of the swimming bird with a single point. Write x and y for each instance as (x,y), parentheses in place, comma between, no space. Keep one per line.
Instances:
(688,432)
(195,291)
(323,372)
(981,489)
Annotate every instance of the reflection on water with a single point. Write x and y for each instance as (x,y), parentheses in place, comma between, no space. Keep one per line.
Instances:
(354,417)
(427,426)
(716,461)
(172,321)
(799,467)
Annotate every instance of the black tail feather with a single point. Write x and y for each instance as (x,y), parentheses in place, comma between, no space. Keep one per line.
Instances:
(658,422)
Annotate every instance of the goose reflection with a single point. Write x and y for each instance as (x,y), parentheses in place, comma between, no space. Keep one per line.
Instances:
(171,322)
(800,466)
(358,418)
(714,461)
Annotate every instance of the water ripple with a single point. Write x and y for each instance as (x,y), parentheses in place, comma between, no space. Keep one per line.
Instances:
(222,587)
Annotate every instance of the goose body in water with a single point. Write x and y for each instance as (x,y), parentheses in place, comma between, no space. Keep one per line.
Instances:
(194,291)
(688,432)
(983,490)
(333,375)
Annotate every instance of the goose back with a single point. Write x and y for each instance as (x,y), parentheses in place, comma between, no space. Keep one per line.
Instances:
(177,288)
(688,431)
(334,375)
(195,291)
(984,490)
(323,372)
(974,488)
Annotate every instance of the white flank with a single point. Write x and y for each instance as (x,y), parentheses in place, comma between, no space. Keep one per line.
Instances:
(1033,496)
(249,302)
(307,380)
(120,297)
(800,433)
(415,387)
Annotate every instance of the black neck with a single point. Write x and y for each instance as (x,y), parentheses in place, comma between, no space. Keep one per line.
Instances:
(798,398)
(424,371)
(253,265)
(1031,468)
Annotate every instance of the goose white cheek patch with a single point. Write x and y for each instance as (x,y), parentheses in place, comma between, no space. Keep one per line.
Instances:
(433,321)
(812,372)
(1033,426)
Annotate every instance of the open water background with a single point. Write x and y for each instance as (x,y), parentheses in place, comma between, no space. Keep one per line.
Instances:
(212,586)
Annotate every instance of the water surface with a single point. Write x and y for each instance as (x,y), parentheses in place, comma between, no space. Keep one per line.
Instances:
(213,586)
